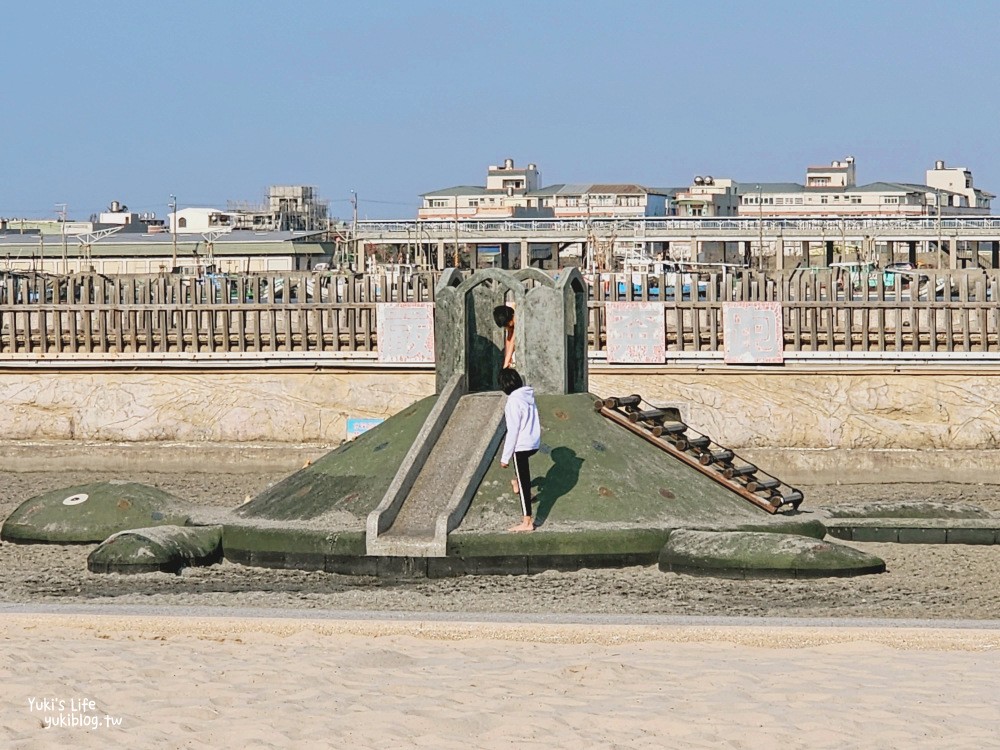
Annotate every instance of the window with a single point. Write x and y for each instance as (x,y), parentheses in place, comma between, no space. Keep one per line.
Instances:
(182,223)
(473,202)
(824,199)
(891,199)
(855,199)
(798,201)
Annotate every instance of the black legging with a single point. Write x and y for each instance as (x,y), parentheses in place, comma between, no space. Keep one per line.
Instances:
(523,474)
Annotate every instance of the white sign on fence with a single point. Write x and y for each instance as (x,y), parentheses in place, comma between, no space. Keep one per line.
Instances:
(405,332)
(753,333)
(636,333)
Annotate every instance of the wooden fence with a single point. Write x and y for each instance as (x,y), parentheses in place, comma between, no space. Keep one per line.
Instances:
(826,310)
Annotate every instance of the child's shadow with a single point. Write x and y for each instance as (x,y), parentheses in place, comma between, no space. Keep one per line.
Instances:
(558,481)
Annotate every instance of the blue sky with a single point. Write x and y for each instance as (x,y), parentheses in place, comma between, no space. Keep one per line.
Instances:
(217,100)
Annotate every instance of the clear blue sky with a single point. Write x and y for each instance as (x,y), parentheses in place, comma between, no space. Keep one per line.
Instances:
(217,100)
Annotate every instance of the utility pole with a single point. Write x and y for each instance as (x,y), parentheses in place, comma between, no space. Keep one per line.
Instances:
(940,252)
(173,233)
(458,259)
(760,227)
(354,229)
(61,208)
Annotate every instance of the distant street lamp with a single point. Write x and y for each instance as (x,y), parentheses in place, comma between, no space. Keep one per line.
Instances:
(173,233)
(760,225)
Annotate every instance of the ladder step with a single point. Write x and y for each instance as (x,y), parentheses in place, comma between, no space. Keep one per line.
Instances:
(762,484)
(671,428)
(617,402)
(718,457)
(793,498)
(739,471)
(694,443)
(649,415)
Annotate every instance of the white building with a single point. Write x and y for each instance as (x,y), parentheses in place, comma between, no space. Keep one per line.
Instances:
(197,220)
(505,195)
(832,191)
(957,181)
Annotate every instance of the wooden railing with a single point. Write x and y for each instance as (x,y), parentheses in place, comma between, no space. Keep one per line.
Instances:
(828,310)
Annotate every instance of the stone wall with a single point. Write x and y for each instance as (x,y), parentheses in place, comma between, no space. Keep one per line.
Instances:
(828,418)
(215,407)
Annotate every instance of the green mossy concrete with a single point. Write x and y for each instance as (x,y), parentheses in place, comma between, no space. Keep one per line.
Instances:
(165,549)
(584,542)
(780,524)
(293,538)
(605,496)
(962,530)
(347,483)
(89,513)
(758,554)
(908,509)
(590,471)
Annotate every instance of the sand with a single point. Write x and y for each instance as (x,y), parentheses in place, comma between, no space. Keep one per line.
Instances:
(230,656)
(179,682)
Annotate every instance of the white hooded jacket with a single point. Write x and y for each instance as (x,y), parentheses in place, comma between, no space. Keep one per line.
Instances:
(524,433)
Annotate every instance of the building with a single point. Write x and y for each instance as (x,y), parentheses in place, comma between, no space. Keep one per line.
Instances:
(505,195)
(706,196)
(117,215)
(515,192)
(956,182)
(833,191)
(133,252)
(198,220)
(288,208)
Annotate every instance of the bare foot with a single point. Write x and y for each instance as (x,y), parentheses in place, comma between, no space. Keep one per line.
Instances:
(522,527)
(515,487)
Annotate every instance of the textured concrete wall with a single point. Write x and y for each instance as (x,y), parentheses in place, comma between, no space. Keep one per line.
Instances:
(202,407)
(860,412)
(842,411)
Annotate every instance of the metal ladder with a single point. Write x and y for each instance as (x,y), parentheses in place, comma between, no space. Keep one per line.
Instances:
(700,452)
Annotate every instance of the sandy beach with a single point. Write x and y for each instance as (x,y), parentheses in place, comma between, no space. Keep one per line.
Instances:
(230,656)
(185,682)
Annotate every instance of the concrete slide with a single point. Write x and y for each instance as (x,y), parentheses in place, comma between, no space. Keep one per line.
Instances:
(439,476)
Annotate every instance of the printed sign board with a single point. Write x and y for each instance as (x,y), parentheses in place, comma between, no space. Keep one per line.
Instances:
(357,426)
(753,333)
(636,332)
(405,332)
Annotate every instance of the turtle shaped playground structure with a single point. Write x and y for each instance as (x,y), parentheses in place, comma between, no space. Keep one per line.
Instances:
(618,481)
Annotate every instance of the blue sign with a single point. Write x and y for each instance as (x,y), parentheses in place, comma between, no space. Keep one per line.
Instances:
(356,426)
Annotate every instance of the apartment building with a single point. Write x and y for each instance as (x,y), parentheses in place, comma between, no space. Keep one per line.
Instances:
(505,195)
(514,192)
(833,191)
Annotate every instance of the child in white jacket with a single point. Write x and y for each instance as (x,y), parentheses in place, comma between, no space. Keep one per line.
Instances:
(524,435)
